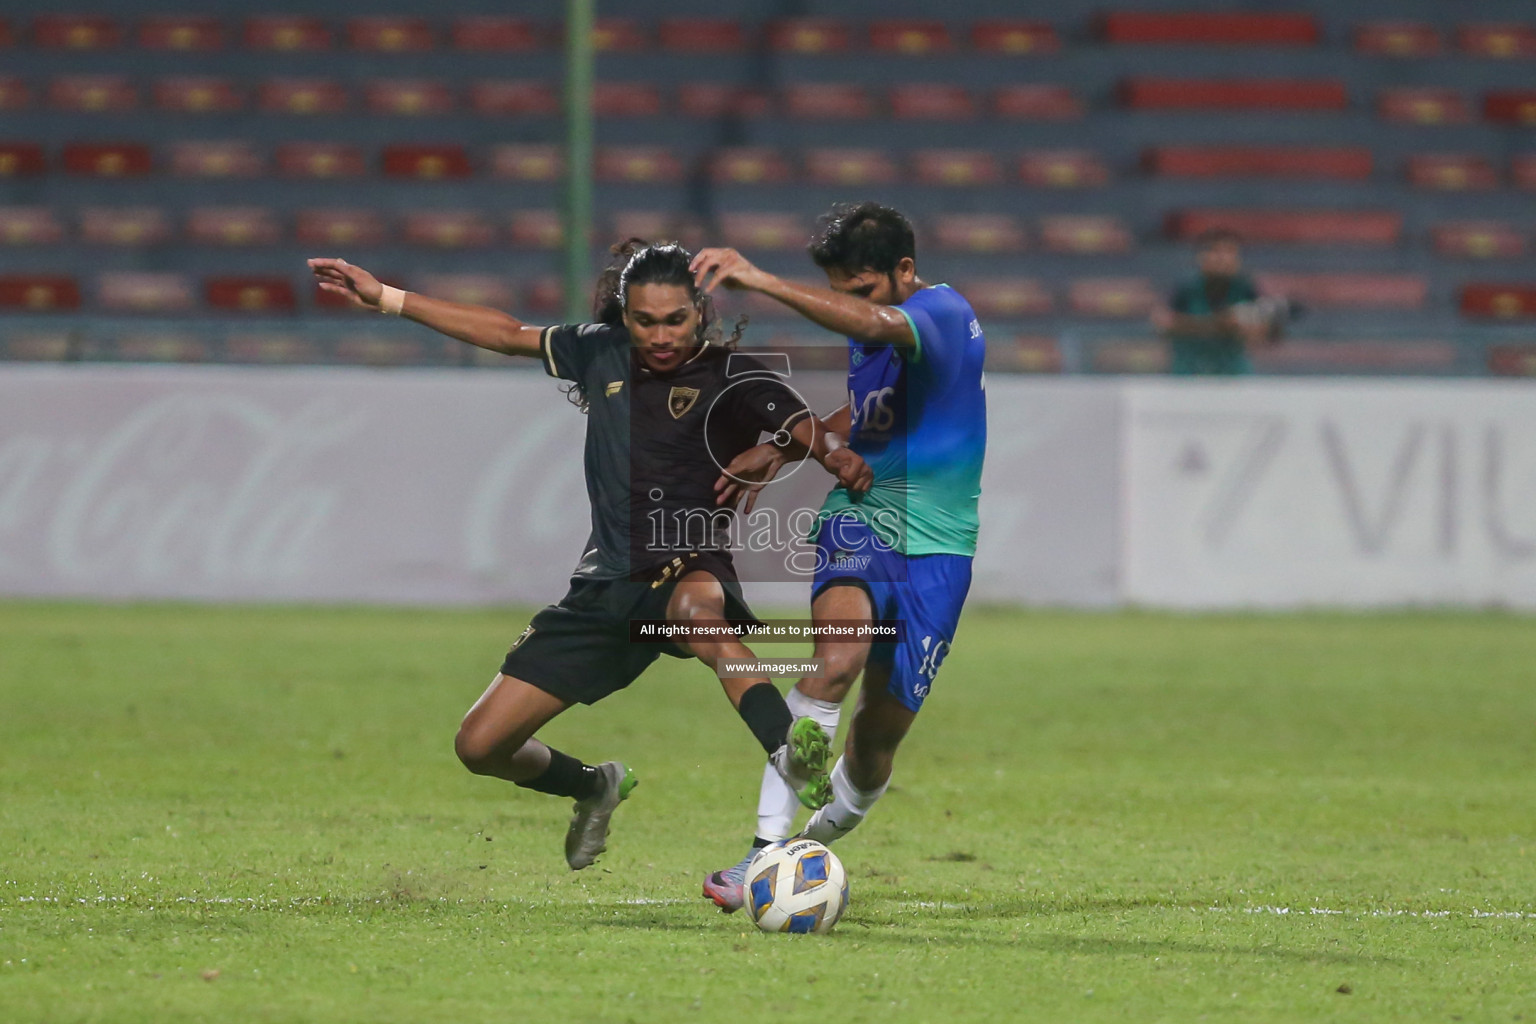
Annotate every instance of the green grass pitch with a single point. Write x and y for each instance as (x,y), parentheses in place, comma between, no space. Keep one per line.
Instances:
(253,814)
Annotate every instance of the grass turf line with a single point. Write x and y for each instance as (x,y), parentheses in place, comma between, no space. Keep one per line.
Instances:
(256,813)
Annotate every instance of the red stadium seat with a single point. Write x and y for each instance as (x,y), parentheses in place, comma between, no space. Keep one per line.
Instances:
(1511,107)
(1037,103)
(93,94)
(748,165)
(1522,170)
(637,165)
(850,167)
(496,34)
(702,35)
(1453,172)
(1343,163)
(1130,356)
(1062,169)
(1210,28)
(39,293)
(189,33)
(390,35)
(1233,94)
(337,227)
(449,229)
(618,34)
(124,225)
(428,162)
(75,32)
(1423,105)
(472,289)
(713,99)
(1512,360)
(303,96)
(407,97)
(233,226)
(1499,301)
(545,295)
(107,160)
(1086,235)
(1296,227)
(978,232)
(320,160)
(1008,297)
(809,36)
(625,99)
(958,167)
(932,102)
(160,346)
(825,100)
(909,37)
(764,230)
(21,159)
(1349,290)
(29,225)
(217,160)
(1497,40)
(286,33)
(14,94)
(198,96)
(1478,240)
(1392,356)
(521,161)
(140,292)
(1397,39)
(498,98)
(1024,354)
(537,229)
(1112,296)
(1014,38)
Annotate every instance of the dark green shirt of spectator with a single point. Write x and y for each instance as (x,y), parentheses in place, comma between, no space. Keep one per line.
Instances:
(1205,333)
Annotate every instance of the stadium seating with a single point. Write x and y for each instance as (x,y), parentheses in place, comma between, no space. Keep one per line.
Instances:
(1057,166)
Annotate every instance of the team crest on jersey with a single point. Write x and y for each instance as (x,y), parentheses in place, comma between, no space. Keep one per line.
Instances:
(680,400)
(858,357)
(613,388)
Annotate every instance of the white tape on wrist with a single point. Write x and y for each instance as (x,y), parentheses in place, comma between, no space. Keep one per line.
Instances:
(834,442)
(392,301)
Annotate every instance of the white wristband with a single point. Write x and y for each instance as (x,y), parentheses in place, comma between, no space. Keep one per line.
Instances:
(834,442)
(392,301)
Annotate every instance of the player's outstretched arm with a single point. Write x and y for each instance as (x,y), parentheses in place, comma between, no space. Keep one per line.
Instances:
(478,325)
(842,314)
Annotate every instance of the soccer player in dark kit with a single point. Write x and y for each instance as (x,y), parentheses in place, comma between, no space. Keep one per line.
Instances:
(650,372)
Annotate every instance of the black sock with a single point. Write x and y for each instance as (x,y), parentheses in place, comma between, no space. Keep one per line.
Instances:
(758,842)
(763,709)
(565,776)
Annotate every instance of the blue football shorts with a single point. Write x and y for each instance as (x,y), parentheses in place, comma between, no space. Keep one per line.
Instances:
(924,592)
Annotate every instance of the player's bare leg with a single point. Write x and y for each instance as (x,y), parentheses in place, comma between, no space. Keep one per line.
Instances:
(496,738)
(815,699)
(797,754)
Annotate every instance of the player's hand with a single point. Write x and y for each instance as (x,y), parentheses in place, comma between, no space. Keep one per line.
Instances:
(747,474)
(713,267)
(353,283)
(851,470)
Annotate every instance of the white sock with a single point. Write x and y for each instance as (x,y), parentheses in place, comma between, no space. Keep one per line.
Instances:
(776,801)
(848,807)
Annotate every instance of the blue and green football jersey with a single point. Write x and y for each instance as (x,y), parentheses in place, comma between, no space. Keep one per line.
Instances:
(919,418)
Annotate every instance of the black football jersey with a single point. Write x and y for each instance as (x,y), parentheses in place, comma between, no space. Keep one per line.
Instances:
(657,442)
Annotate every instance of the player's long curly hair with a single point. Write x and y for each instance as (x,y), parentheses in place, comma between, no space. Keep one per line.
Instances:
(636,261)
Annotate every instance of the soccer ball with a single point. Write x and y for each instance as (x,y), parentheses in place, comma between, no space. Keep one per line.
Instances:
(796,886)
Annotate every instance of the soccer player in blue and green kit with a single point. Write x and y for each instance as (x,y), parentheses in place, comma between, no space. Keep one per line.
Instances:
(917,414)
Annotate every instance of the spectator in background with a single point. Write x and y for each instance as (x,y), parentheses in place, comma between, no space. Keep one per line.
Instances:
(1214,320)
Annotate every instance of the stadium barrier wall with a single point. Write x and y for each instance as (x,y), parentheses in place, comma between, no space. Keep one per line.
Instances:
(462,487)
